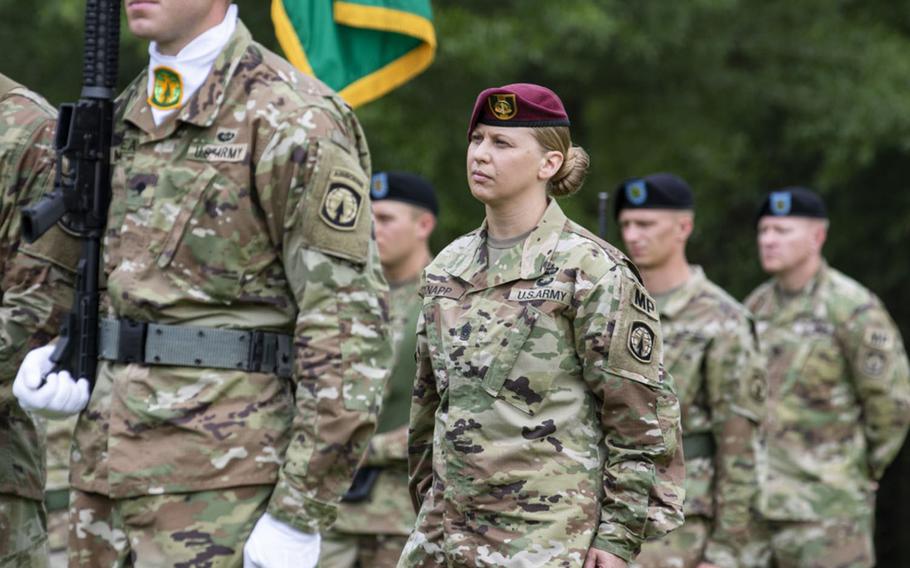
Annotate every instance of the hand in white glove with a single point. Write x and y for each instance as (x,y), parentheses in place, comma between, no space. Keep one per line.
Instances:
(58,396)
(274,544)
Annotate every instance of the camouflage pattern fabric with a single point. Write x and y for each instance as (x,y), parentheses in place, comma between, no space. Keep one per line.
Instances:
(59,439)
(712,353)
(361,550)
(203,528)
(683,548)
(844,542)
(23,538)
(542,423)
(387,511)
(247,209)
(36,290)
(839,397)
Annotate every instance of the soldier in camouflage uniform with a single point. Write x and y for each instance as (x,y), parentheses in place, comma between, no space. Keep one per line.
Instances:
(376,517)
(36,288)
(711,351)
(839,392)
(544,432)
(239,234)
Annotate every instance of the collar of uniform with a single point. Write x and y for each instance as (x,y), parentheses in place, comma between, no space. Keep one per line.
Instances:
(538,249)
(679,298)
(140,113)
(805,299)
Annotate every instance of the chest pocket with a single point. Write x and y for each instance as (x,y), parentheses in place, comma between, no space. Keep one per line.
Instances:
(489,350)
(821,381)
(684,355)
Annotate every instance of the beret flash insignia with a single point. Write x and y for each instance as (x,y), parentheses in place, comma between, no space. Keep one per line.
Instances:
(781,202)
(637,192)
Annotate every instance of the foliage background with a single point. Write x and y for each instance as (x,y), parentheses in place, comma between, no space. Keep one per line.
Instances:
(737,96)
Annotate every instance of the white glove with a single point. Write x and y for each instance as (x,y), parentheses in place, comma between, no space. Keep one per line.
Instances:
(274,544)
(58,397)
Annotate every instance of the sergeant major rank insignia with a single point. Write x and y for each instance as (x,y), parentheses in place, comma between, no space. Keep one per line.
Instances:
(504,106)
(641,341)
(167,90)
(341,204)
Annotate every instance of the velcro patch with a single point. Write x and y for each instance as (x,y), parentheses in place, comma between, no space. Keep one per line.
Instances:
(218,152)
(542,294)
(342,203)
(641,341)
(874,362)
(336,195)
(879,338)
(644,303)
(446,290)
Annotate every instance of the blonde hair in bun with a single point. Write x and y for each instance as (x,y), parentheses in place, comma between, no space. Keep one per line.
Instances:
(571,174)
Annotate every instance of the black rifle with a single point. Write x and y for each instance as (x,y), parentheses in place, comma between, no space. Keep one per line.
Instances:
(82,188)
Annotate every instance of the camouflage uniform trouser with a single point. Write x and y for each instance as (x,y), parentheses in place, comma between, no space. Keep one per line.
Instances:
(843,542)
(57,527)
(23,533)
(341,550)
(682,548)
(205,528)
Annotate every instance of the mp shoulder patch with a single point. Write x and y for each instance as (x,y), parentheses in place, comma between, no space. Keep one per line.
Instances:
(879,338)
(643,302)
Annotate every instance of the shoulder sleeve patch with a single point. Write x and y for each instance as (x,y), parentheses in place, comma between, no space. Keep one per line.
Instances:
(636,346)
(879,338)
(336,218)
(642,302)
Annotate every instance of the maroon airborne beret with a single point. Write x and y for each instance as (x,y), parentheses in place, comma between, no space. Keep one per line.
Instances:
(518,104)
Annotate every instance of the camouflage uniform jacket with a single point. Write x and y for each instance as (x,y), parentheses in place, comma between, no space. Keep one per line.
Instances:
(247,209)
(838,392)
(542,423)
(35,280)
(388,509)
(711,351)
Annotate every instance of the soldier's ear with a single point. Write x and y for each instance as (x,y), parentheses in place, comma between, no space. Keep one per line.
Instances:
(550,164)
(819,233)
(685,222)
(426,222)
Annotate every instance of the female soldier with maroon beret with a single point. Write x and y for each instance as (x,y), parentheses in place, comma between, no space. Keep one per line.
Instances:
(543,429)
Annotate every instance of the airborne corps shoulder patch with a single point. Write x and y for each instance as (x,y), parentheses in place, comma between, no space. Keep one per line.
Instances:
(342,203)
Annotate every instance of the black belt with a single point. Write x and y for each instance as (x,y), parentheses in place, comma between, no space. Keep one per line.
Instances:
(128,341)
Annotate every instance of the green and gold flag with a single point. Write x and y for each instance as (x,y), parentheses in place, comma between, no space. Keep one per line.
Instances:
(361,48)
